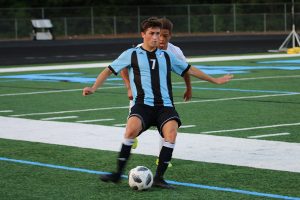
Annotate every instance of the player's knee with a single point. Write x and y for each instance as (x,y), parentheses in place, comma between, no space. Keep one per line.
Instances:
(170,136)
(132,131)
(133,127)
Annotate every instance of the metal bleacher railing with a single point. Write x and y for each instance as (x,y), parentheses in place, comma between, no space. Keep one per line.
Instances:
(70,22)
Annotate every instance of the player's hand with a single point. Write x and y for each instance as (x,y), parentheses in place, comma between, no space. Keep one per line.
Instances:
(87,91)
(223,79)
(187,95)
(129,94)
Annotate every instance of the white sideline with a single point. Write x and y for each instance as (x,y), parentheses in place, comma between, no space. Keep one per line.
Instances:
(96,65)
(262,154)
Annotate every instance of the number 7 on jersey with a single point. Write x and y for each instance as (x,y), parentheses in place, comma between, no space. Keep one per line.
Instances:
(153,63)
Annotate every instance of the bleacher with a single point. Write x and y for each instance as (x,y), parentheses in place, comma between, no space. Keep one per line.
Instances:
(42,29)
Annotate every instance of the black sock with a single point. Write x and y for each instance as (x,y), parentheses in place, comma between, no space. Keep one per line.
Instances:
(165,157)
(124,155)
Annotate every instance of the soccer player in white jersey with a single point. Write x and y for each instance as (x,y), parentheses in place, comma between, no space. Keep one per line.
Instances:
(149,71)
(164,38)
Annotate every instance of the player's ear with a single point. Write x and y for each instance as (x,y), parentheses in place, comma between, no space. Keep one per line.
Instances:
(170,35)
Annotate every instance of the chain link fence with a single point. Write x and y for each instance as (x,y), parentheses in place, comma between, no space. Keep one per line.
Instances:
(188,19)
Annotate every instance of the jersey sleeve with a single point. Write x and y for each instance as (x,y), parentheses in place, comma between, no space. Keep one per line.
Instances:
(179,54)
(178,66)
(124,60)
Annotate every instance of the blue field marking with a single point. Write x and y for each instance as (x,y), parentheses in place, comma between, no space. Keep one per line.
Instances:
(253,193)
(57,77)
(239,90)
(80,78)
(214,70)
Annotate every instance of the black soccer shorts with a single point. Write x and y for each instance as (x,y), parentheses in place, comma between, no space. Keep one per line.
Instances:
(154,116)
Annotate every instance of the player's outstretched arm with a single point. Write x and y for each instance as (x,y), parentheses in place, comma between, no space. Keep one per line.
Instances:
(188,90)
(99,81)
(201,75)
(125,76)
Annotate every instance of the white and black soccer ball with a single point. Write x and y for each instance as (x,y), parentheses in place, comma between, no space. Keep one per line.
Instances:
(140,178)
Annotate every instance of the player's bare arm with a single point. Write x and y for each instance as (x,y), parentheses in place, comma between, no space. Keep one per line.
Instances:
(188,91)
(99,81)
(201,75)
(125,77)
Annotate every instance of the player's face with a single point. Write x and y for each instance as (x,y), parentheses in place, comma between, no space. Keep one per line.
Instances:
(164,38)
(151,37)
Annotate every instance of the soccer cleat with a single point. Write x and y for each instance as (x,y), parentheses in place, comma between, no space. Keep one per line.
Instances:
(161,183)
(170,164)
(135,143)
(113,177)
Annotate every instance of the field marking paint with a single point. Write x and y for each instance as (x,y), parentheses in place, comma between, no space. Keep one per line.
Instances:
(116,87)
(267,135)
(246,79)
(235,98)
(187,126)
(54,91)
(216,188)
(126,107)
(105,64)
(237,90)
(6,111)
(95,120)
(55,118)
(54,67)
(252,128)
(120,125)
(71,111)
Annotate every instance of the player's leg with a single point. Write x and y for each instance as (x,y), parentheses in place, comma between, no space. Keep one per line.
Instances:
(135,141)
(133,128)
(169,131)
(167,123)
(161,143)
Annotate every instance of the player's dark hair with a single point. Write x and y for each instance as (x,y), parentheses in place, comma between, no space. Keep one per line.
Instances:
(151,22)
(166,24)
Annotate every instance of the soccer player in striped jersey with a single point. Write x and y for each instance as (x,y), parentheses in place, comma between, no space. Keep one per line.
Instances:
(164,38)
(150,79)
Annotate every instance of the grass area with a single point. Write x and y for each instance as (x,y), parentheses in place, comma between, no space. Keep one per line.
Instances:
(21,181)
(264,100)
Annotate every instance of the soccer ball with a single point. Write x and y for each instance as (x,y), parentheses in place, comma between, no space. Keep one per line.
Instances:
(140,178)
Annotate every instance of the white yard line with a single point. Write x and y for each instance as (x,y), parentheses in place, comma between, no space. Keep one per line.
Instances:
(53,67)
(71,111)
(246,57)
(235,98)
(54,91)
(57,118)
(252,128)
(95,120)
(267,135)
(126,107)
(262,154)
(120,125)
(99,65)
(6,111)
(247,79)
(188,126)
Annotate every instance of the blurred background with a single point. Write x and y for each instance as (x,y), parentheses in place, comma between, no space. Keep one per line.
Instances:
(94,19)
(88,30)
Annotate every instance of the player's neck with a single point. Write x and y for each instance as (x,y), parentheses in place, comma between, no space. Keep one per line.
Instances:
(165,47)
(148,47)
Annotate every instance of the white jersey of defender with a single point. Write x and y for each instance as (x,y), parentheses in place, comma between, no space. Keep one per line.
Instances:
(176,51)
